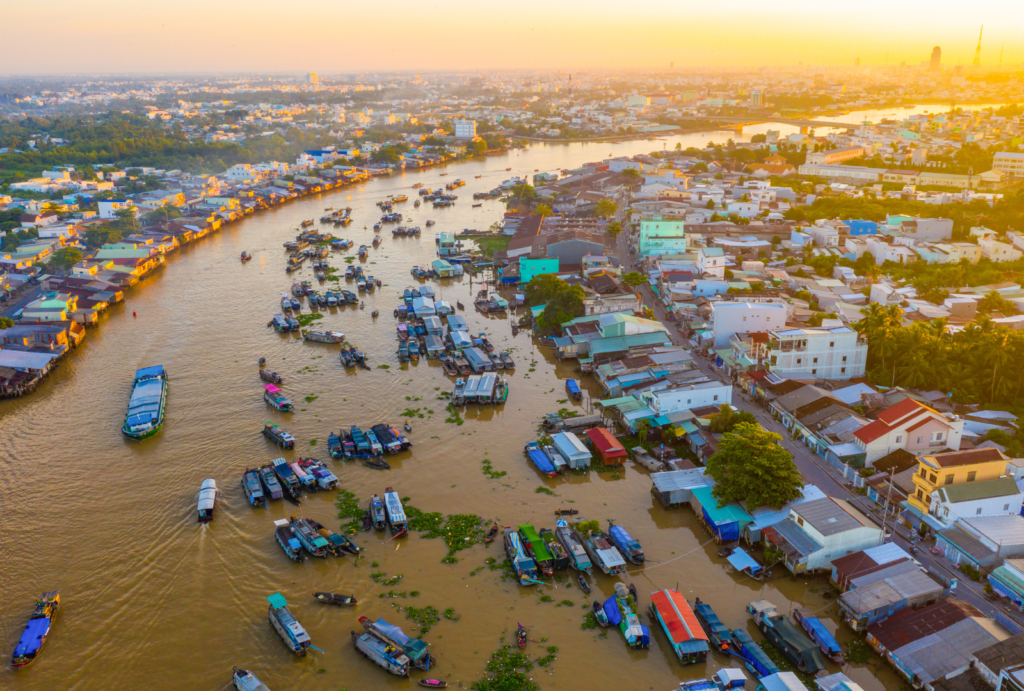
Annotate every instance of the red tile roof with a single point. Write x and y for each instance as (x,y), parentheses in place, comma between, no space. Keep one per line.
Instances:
(681,623)
(903,411)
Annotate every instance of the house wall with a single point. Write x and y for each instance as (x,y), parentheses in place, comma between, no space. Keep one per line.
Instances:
(741,318)
(991,506)
(688,398)
(927,479)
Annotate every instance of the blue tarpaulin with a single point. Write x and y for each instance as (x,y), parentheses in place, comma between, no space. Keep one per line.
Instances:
(727,530)
(541,460)
(611,610)
(573,387)
(825,640)
(758,663)
(742,561)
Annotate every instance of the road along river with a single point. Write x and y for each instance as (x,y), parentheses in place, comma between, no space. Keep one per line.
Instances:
(153,600)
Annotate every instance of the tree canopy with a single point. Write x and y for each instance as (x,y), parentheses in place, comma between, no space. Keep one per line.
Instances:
(562,301)
(634,279)
(727,419)
(752,467)
(65,258)
(605,208)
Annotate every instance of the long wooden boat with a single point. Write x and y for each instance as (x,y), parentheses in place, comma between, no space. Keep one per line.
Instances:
(578,556)
(414,648)
(146,406)
(244,680)
(290,630)
(253,488)
(37,628)
(395,513)
(285,537)
(207,500)
(335,599)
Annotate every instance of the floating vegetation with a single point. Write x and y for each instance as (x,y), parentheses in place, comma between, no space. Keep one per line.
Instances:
(311,397)
(307,319)
(425,618)
(589,621)
(312,442)
(546,598)
(550,657)
(381,578)
(566,603)
(348,507)
(459,531)
(544,490)
(506,671)
(411,412)
(449,559)
(565,412)
(453,418)
(450,615)
(391,594)
(383,366)
(489,470)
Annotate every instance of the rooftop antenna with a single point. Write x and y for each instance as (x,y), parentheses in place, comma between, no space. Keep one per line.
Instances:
(977,51)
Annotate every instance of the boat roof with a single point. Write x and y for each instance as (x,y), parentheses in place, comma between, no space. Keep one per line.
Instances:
(740,560)
(611,557)
(541,460)
(619,534)
(249,682)
(277,601)
(144,404)
(395,508)
(572,385)
(154,371)
(32,638)
(272,388)
(678,620)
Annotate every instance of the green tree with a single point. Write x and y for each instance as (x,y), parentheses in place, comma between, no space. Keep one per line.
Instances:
(6,323)
(634,279)
(710,204)
(477,147)
(605,208)
(751,466)
(631,174)
(543,210)
(994,302)
(613,229)
(65,258)
(563,307)
(727,419)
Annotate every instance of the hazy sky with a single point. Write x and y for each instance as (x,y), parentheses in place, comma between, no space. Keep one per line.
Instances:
(65,36)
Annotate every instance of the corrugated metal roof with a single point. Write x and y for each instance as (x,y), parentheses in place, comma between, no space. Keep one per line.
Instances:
(909,625)
(945,651)
(679,479)
(826,516)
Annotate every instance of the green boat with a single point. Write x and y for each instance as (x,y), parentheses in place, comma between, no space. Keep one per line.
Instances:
(145,414)
(537,549)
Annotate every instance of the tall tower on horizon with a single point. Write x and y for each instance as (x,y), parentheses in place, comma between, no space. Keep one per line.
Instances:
(935,64)
(977,51)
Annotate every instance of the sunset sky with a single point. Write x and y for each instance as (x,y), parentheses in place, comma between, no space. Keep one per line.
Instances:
(61,36)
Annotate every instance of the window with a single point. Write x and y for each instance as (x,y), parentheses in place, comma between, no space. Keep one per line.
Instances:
(949,479)
(920,440)
(937,436)
(844,358)
(814,371)
(945,511)
(831,344)
(744,319)
(977,512)
(931,479)
(799,520)
(799,360)
(815,360)
(899,439)
(1006,507)
(716,397)
(971,475)
(843,370)
(920,494)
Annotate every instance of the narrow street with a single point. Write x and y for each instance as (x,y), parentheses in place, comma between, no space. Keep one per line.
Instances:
(816,470)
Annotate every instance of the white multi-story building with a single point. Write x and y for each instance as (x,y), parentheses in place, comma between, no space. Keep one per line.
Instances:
(688,397)
(711,260)
(312,78)
(729,318)
(1010,163)
(826,353)
(108,208)
(465,129)
(996,497)
(999,251)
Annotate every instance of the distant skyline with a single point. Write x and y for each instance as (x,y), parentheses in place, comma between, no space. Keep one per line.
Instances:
(117,36)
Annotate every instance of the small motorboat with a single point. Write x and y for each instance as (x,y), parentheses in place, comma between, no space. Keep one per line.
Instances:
(367,521)
(433,683)
(566,512)
(377,513)
(207,500)
(335,599)
(408,427)
(246,256)
(491,534)
(521,636)
(602,618)
(376,463)
(244,680)
(375,314)
(582,580)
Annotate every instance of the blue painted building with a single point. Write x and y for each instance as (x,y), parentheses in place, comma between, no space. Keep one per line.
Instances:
(860,227)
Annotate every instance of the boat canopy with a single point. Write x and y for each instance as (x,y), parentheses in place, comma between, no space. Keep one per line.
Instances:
(679,622)
(272,388)
(277,601)
(742,561)
(477,359)
(395,508)
(31,639)
(461,339)
(144,404)
(413,647)
(154,371)
(540,550)
(824,639)
(207,494)
(622,539)
(573,387)
(403,329)
(611,609)
(541,460)
(752,653)
(423,307)
(611,557)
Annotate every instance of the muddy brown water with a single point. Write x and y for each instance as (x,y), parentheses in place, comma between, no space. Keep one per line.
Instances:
(153,600)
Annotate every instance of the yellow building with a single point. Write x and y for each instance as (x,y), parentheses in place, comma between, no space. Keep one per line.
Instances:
(954,468)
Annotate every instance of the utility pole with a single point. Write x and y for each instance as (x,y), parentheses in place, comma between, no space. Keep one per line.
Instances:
(885,512)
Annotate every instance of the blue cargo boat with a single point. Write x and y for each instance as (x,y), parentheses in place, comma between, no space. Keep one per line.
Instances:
(36,629)
(285,537)
(759,664)
(360,440)
(334,446)
(540,459)
(253,489)
(524,566)
(290,631)
(306,532)
(270,483)
(395,512)
(574,389)
(382,654)
(819,634)
(629,547)
(621,615)
(288,479)
(717,632)
(146,406)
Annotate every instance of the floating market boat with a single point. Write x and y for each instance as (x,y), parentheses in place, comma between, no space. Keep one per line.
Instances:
(685,634)
(207,500)
(491,534)
(290,631)
(581,578)
(599,615)
(276,398)
(414,648)
(324,336)
(819,634)
(506,358)
(311,541)
(37,628)
(306,480)
(244,680)
(755,659)
(376,448)
(717,632)
(279,435)
(432,683)
(377,513)
(621,614)
(559,557)
(538,458)
(285,537)
(602,553)
(269,481)
(382,654)
(577,555)
(536,548)
(325,479)
(375,462)
(289,481)
(335,599)
(801,651)
(525,568)
(500,394)
(145,414)
(573,388)
(629,547)
(337,544)
(252,488)
(395,513)
(271,377)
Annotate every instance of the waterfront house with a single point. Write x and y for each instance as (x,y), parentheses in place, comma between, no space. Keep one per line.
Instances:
(948,652)
(913,426)
(996,497)
(982,542)
(909,625)
(876,601)
(818,532)
(765,517)
(865,563)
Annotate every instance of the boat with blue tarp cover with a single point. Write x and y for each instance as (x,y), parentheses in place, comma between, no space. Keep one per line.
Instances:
(685,634)
(382,654)
(574,389)
(539,458)
(362,443)
(289,481)
(290,631)
(395,512)
(718,633)
(145,414)
(629,547)
(621,615)
(244,680)
(522,564)
(285,537)
(756,660)
(697,685)
(414,648)
(602,552)
(36,629)
(819,634)
(744,563)
(252,487)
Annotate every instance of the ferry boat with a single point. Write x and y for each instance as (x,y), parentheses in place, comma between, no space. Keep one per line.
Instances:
(577,555)
(207,500)
(276,398)
(377,513)
(146,406)
(395,513)
(413,648)
(244,680)
(382,654)
(309,538)
(290,631)
(523,565)
(629,547)
(36,629)
(252,488)
(285,537)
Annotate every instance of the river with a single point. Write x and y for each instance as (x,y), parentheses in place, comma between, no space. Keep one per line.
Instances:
(153,600)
